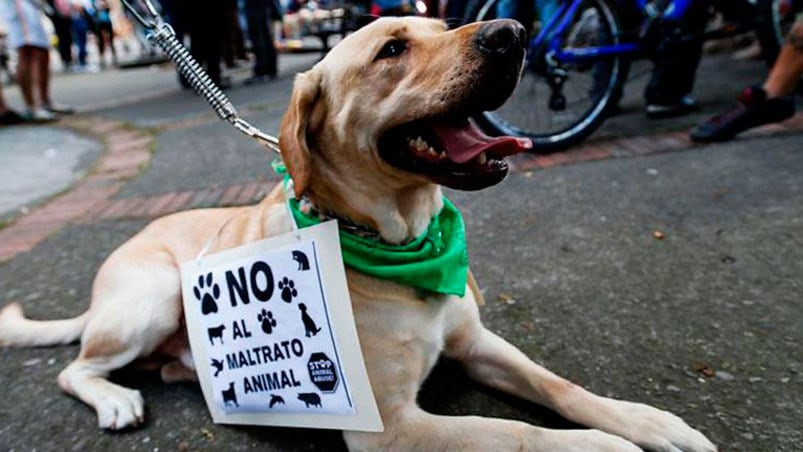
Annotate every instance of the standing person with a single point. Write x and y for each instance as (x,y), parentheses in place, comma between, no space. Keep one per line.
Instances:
(60,13)
(104,31)
(27,34)
(80,28)
(8,117)
(206,34)
(260,19)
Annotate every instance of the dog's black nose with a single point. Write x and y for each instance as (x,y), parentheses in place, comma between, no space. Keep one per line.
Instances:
(501,37)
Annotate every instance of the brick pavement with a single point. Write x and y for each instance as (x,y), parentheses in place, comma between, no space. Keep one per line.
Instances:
(127,151)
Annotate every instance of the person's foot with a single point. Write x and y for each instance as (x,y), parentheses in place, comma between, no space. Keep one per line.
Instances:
(39,115)
(59,109)
(10,118)
(754,109)
(685,106)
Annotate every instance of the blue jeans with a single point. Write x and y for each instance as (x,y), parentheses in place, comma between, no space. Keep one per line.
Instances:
(79,30)
(506,9)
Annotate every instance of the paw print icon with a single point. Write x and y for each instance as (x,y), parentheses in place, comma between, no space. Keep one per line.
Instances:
(288,288)
(267,321)
(207,292)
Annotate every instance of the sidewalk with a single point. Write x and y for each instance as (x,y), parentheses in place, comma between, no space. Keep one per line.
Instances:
(705,322)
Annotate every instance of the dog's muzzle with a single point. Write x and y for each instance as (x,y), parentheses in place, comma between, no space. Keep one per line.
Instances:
(501,39)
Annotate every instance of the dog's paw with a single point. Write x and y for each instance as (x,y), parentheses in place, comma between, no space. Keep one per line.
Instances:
(288,288)
(119,409)
(659,431)
(207,292)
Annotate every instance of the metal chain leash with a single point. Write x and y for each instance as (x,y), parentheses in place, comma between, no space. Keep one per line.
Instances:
(162,35)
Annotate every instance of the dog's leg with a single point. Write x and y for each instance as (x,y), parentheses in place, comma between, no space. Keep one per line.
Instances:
(493,361)
(176,372)
(135,308)
(416,430)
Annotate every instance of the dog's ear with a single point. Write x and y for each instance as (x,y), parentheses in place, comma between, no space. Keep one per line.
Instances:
(293,133)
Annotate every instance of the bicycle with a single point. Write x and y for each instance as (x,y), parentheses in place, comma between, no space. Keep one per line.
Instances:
(574,64)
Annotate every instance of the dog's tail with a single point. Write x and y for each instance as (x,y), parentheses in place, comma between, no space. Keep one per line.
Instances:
(16,330)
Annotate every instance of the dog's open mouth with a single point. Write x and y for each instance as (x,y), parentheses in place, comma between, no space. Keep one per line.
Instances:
(452,152)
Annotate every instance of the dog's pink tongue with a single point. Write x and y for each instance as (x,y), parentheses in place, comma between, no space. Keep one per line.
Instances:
(465,141)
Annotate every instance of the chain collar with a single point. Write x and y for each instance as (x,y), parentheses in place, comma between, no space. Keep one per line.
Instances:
(360,230)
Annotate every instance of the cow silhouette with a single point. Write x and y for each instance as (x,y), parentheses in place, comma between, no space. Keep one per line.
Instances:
(310,398)
(216,332)
(230,396)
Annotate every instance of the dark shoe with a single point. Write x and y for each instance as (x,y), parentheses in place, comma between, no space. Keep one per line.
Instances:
(10,118)
(659,111)
(753,110)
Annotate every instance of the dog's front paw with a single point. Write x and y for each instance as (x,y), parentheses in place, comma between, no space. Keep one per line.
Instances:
(120,408)
(658,430)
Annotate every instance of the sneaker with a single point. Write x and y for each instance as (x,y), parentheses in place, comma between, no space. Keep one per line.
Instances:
(39,115)
(753,110)
(59,109)
(658,111)
(10,118)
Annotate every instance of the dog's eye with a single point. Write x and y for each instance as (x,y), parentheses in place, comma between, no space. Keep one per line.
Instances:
(392,49)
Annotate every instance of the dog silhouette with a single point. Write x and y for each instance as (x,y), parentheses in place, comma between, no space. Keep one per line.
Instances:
(218,365)
(310,398)
(230,396)
(301,258)
(216,332)
(275,400)
(310,328)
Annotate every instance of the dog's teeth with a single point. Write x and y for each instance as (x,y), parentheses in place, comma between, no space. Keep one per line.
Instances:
(482,159)
(420,144)
(431,151)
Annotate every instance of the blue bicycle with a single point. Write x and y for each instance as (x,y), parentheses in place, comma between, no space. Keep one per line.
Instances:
(575,63)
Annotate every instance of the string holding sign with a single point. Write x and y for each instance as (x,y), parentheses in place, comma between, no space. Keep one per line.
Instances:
(162,35)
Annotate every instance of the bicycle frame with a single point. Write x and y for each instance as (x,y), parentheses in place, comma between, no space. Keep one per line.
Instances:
(551,34)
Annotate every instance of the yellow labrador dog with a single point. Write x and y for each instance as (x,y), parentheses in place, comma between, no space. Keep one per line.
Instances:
(371,134)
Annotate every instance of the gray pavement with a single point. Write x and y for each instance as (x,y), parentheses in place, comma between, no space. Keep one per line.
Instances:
(565,256)
(37,162)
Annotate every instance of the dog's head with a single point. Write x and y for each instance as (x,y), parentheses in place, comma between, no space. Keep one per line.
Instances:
(390,105)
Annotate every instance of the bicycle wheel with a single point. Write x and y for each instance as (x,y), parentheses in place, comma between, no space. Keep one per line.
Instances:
(555,118)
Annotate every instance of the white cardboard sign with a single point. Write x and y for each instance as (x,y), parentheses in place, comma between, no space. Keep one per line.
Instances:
(273,337)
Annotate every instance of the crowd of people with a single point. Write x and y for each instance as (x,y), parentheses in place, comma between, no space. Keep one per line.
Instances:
(219,31)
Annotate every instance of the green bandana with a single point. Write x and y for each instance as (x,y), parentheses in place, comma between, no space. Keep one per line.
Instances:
(436,261)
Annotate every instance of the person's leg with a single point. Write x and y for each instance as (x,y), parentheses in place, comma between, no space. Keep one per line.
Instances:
(64,34)
(41,71)
(271,56)
(79,29)
(25,75)
(675,69)
(97,30)
(256,25)
(108,30)
(788,67)
(765,104)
